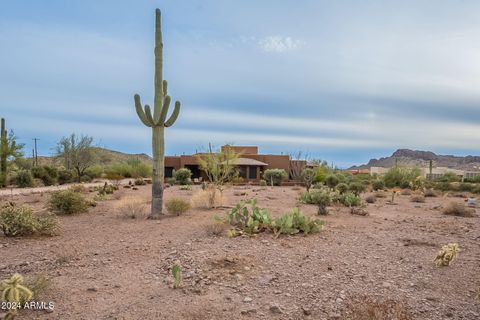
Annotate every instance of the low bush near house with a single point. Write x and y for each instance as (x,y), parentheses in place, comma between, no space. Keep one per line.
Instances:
(458,209)
(139,182)
(177,206)
(263,183)
(67,202)
(348,199)
(183,176)
(430,193)
(275,176)
(21,221)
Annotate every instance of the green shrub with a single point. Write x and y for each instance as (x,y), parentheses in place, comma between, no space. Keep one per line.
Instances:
(332,181)
(65,176)
(342,187)
(322,199)
(129,169)
(449,177)
(476,189)
(275,176)
(356,188)
(348,199)
(466,187)
(443,186)
(20,221)
(47,174)
(263,183)
(378,185)
(295,222)
(400,177)
(171,181)
(177,206)
(95,171)
(67,202)
(183,175)
(321,173)
(24,179)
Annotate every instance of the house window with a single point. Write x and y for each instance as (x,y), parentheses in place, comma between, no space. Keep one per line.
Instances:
(252,172)
(168,172)
(242,171)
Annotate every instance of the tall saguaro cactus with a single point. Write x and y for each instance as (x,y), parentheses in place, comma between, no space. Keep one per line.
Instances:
(158,121)
(3,154)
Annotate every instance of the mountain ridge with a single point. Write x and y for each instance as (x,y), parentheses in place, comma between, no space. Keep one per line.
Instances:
(419,158)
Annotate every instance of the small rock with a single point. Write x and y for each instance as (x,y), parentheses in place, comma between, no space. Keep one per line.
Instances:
(306,311)
(275,308)
(92,289)
(248,311)
(247,299)
(386,284)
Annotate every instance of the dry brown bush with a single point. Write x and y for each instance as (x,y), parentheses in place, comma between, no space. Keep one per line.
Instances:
(459,210)
(202,199)
(215,229)
(430,193)
(371,199)
(367,308)
(406,192)
(380,194)
(417,198)
(131,207)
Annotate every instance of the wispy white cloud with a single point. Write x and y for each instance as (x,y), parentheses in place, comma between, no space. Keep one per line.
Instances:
(279,44)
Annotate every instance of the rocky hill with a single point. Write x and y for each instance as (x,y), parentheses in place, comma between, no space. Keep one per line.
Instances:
(104,156)
(408,157)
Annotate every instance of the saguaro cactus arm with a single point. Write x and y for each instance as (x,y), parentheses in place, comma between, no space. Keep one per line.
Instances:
(140,112)
(174,115)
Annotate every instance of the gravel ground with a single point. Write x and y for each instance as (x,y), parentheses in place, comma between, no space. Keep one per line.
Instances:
(105,266)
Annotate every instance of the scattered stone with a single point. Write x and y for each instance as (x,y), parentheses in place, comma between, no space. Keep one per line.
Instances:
(247,299)
(275,308)
(92,289)
(248,311)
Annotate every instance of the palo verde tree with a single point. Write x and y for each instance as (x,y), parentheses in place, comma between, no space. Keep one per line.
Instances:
(157,121)
(77,153)
(219,167)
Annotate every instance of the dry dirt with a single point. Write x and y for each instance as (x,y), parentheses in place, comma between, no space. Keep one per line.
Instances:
(105,266)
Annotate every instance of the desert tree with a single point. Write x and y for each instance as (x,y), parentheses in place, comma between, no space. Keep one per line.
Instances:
(219,167)
(298,162)
(10,150)
(76,153)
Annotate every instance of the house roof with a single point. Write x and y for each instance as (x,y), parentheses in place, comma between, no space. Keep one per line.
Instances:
(249,162)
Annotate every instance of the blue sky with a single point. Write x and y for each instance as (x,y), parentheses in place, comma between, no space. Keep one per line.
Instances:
(340,80)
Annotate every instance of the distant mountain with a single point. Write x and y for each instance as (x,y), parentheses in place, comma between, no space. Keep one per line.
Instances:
(408,157)
(105,157)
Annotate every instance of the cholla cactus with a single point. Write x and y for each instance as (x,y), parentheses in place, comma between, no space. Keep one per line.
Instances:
(13,291)
(177,276)
(447,254)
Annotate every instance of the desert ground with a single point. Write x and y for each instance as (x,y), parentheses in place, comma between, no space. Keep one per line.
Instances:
(103,265)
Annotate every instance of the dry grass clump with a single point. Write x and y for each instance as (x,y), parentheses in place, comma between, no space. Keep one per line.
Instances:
(177,206)
(417,198)
(131,207)
(202,199)
(38,284)
(447,254)
(367,308)
(459,210)
(371,199)
(215,229)
(406,192)
(430,193)
(380,194)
